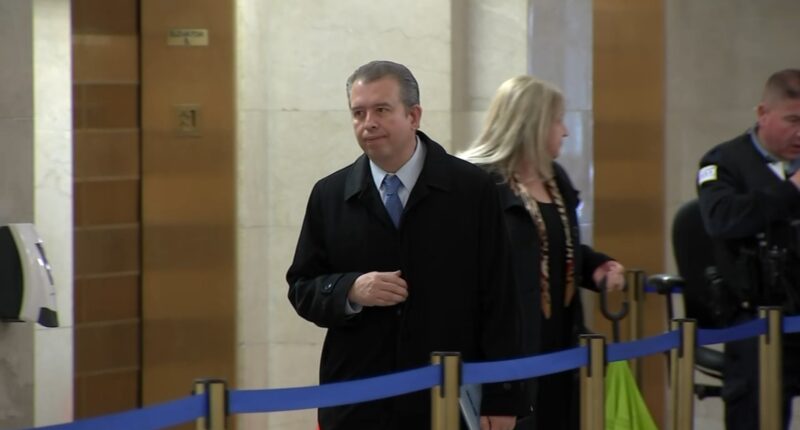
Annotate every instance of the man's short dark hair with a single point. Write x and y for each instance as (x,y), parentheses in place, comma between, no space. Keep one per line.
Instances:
(784,84)
(374,70)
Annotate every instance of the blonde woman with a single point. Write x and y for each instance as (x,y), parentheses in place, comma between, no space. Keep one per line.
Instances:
(521,138)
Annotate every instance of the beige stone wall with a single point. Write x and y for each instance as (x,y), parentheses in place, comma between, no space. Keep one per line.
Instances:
(719,54)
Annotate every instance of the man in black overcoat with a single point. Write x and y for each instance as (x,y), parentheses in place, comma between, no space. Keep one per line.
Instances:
(402,253)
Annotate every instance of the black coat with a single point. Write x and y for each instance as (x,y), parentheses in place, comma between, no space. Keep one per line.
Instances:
(525,256)
(745,203)
(453,252)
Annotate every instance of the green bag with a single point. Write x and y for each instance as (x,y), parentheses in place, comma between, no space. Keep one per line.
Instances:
(625,408)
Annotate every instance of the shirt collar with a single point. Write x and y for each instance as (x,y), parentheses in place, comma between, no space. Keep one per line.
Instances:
(753,132)
(789,166)
(408,173)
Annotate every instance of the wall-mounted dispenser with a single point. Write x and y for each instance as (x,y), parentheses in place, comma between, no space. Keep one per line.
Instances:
(27,292)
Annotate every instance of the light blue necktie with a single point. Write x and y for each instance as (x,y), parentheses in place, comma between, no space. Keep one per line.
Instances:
(394,206)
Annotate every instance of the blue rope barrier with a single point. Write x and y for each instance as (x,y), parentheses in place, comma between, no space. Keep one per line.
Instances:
(271,400)
(746,330)
(638,348)
(791,324)
(340,393)
(153,417)
(651,289)
(523,368)
(284,399)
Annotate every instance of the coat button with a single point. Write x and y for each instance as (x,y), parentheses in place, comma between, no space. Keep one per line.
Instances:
(327,288)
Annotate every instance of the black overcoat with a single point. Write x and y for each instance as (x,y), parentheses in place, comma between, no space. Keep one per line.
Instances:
(452,249)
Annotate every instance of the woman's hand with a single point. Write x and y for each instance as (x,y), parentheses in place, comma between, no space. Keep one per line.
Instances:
(614,274)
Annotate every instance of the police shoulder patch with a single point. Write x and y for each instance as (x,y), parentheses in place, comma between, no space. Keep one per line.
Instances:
(707,173)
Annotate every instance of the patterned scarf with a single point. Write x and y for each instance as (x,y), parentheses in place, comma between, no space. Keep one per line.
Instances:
(533,209)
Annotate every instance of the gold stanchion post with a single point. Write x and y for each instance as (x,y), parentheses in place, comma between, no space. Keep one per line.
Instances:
(593,383)
(770,360)
(217,394)
(635,279)
(682,375)
(444,397)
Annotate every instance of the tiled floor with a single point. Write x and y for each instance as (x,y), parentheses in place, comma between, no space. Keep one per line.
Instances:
(708,414)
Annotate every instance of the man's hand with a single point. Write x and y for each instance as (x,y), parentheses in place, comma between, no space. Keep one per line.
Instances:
(378,289)
(498,422)
(614,274)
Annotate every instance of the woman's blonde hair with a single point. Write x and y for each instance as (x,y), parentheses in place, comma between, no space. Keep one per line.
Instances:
(517,127)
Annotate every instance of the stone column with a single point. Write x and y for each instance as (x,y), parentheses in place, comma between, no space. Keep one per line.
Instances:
(35,186)
(16,196)
(560,51)
(52,178)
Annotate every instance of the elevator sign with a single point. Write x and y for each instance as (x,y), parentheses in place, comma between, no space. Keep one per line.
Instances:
(187,37)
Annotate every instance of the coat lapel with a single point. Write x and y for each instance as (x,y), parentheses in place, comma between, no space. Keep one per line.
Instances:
(359,185)
(434,173)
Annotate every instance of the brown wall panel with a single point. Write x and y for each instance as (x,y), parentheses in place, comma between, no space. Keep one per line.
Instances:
(100,105)
(106,190)
(188,199)
(105,346)
(183,247)
(106,250)
(105,17)
(104,58)
(629,140)
(178,350)
(106,153)
(120,392)
(629,56)
(106,202)
(107,298)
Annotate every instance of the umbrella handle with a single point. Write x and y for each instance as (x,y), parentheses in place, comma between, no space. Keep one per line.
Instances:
(614,317)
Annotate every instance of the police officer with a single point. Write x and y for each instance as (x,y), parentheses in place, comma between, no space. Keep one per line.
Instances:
(749,193)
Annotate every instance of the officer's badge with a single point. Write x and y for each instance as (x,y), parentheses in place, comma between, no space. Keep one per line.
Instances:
(708,173)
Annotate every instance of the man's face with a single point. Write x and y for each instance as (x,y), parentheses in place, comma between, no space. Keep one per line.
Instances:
(779,127)
(384,128)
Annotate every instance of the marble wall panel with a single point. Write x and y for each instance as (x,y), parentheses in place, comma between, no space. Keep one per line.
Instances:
(52,95)
(312,47)
(17,377)
(560,48)
(560,52)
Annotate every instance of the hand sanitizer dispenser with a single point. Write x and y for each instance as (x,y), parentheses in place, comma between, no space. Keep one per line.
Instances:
(27,292)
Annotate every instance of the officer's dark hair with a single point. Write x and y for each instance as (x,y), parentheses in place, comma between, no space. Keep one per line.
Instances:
(784,84)
(374,70)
